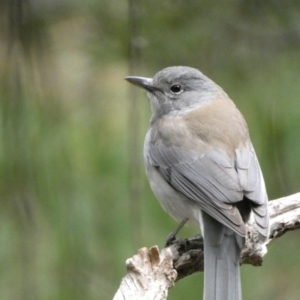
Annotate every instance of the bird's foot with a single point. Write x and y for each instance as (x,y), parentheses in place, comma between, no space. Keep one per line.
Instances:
(172,236)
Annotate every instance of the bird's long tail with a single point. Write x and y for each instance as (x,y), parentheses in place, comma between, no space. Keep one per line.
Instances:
(222,248)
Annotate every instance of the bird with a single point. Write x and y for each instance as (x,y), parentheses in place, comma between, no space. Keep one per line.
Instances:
(201,165)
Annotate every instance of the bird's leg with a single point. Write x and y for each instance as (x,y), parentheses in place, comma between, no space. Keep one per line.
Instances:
(172,236)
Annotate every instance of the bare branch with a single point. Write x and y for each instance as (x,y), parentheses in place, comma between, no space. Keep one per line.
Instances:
(150,274)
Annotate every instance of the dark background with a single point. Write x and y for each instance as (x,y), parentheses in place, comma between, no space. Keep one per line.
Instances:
(74,200)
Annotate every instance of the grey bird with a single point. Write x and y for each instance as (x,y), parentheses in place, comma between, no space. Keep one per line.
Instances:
(201,165)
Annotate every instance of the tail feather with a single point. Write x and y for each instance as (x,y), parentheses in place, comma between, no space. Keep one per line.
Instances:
(222,249)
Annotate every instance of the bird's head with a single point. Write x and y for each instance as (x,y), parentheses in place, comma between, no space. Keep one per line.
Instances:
(177,90)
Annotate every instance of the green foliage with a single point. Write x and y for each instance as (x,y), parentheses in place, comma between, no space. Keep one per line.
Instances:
(66,221)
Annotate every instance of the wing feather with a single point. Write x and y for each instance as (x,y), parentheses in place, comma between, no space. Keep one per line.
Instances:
(214,181)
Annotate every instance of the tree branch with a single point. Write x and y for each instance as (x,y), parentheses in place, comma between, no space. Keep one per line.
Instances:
(150,274)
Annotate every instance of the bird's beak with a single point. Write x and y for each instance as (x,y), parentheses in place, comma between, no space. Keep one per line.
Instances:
(143,82)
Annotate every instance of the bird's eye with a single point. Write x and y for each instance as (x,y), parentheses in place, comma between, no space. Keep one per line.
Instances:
(176,89)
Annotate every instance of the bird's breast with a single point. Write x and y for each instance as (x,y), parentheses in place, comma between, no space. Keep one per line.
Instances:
(216,125)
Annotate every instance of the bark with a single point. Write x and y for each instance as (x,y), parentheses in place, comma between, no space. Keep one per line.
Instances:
(151,273)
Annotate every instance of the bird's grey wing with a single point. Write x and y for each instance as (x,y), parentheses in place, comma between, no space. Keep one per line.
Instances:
(253,185)
(213,181)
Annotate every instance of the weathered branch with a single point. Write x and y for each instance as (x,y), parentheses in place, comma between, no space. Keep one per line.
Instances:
(150,274)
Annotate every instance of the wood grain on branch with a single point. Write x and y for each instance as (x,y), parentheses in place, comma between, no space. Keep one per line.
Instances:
(150,274)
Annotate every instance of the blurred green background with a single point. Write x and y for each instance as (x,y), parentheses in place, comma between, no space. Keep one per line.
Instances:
(74,200)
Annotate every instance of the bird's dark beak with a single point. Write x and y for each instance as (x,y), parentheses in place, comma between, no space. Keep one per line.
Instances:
(143,82)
